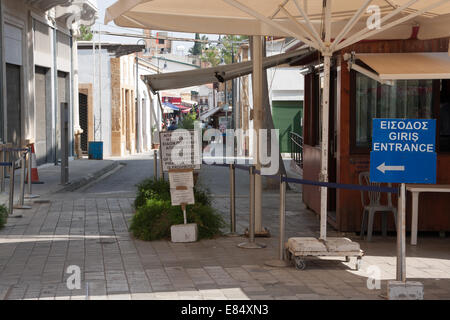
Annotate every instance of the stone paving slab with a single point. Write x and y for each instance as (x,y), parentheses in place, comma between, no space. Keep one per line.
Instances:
(91,233)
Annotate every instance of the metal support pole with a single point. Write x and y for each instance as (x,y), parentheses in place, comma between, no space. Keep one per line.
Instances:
(251,244)
(183,206)
(30,194)
(2,172)
(401,235)
(281,262)
(21,204)
(161,173)
(155,164)
(11,187)
(324,151)
(232,201)
(64,112)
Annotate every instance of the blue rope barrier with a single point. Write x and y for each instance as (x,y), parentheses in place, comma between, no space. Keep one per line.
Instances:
(330,185)
(14,149)
(5,164)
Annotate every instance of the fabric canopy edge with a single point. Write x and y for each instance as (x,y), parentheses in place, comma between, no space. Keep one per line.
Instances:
(218,74)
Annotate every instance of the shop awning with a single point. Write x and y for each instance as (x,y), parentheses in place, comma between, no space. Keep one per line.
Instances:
(184,79)
(209,113)
(170,106)
(403,66)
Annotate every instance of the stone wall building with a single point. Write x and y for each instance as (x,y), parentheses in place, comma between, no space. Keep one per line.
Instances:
(38,73)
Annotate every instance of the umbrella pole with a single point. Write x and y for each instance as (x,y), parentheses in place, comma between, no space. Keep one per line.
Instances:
(324,158)
(257,125)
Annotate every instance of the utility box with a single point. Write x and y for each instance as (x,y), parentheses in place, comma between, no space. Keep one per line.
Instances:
(95,150)
(184,232)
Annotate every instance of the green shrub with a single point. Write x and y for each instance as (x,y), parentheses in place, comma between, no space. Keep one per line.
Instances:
(188,121)
(152,189)
(3,216)
(160,190)
(155,215)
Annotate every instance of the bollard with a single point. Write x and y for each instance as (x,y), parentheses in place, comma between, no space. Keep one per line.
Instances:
(30,194)
(2,172)
(21,204)
(11,188)
(251,244)
(232,202)
(155,164)
(281,262)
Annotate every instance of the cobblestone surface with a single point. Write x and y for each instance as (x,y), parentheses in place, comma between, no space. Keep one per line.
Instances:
(89,230)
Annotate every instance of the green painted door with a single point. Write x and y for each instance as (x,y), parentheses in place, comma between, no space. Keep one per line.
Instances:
(287,117)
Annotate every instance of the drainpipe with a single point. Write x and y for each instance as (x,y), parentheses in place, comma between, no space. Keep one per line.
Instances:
(138,109)
(55,97)
(77,131)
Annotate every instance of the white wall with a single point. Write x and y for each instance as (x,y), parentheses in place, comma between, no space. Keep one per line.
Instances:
(86,75)
(285,84)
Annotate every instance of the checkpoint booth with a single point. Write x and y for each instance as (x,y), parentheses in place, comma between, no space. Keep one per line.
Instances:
(397,79)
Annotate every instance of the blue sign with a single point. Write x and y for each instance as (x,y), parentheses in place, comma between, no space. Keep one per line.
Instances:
(403,151)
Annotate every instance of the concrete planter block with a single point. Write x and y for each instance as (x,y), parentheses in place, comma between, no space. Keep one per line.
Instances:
(184,232)
(410,290)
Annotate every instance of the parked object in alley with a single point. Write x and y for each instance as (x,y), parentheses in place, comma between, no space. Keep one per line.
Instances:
(95,150)
(374,206)
(299,249)
(34,169)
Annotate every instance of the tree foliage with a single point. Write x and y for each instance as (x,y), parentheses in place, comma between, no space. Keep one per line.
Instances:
(85,33)
(222,52)
(196,50)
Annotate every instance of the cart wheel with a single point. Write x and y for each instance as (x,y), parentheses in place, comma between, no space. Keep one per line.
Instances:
(358,263)
(288,255)
(347,259)
(300,264)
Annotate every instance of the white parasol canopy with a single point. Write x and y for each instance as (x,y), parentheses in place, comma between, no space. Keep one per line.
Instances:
(326,25)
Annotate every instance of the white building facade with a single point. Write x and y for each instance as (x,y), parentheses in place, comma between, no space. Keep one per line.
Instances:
(37,71)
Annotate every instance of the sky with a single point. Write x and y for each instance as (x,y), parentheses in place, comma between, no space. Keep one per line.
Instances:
(111,27)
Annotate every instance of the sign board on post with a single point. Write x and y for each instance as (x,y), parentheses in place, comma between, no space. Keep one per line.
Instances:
(180,149)
(181,187)
(403,151)
(182,194)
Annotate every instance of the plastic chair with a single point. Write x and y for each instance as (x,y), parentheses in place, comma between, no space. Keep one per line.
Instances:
(374,206)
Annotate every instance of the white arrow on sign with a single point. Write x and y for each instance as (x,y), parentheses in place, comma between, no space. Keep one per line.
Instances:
(383,168)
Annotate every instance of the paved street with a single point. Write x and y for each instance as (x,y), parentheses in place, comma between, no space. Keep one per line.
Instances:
(88,229)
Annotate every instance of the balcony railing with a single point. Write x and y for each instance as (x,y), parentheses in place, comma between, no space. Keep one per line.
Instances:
(296,141)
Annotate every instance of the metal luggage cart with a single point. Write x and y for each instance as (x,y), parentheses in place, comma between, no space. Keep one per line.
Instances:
(299,249)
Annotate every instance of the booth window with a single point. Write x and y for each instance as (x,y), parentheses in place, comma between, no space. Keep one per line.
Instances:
(444,117)
(403,99)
